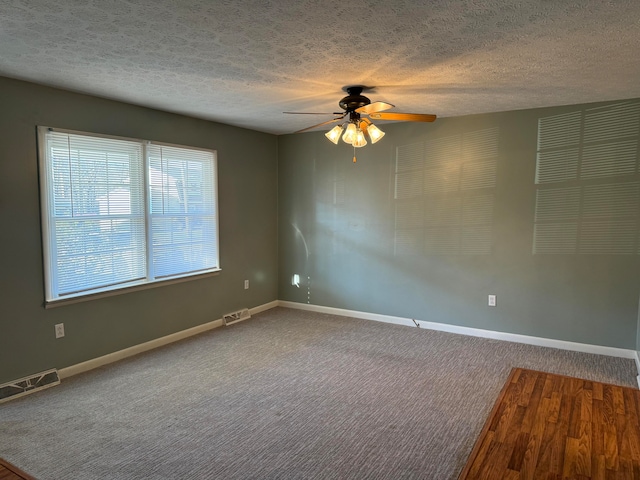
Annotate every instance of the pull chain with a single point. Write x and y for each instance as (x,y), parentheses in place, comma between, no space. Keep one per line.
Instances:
(354,154)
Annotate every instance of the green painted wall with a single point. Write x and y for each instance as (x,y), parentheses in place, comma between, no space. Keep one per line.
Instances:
(247,180)
(297,204)
(356,246)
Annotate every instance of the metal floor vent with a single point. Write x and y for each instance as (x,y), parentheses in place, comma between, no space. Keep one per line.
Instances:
(33,383)
(235,317)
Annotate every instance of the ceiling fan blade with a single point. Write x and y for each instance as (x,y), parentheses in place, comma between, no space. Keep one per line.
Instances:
(405,117)
(333,120)
(374,107)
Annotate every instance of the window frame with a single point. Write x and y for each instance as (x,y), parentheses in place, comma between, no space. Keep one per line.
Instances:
(54,299)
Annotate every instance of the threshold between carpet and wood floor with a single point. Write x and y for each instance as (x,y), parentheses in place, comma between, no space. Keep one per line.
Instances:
(554,427)
(11,472)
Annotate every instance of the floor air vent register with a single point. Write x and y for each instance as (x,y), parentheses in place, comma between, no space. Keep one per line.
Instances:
(30,384)
(235,317)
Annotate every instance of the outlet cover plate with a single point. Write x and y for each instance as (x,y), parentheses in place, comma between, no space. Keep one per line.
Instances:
(59,330)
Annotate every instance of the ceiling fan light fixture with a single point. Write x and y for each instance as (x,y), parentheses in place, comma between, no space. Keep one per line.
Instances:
(334,134)
(350,133)
(375,133)
(355,106)
(359,140)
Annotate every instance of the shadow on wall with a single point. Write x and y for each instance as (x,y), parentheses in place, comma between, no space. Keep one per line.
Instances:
(441,203)
(445,194)
(587,198)
(419,230)
(587,190)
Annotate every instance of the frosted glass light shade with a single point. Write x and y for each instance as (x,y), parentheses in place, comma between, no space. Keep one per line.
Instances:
(334,134)
(349,133)
(359,140)
(375,133)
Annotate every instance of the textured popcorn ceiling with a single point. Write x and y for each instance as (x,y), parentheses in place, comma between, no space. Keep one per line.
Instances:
(244,62)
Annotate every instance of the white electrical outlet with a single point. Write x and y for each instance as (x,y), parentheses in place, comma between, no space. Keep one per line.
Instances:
(246,284)
(492,300)
(59,330)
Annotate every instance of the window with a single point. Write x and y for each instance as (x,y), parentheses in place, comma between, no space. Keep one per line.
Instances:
(118,213)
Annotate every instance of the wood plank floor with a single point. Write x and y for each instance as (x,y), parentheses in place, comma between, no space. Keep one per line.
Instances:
(551,427)
(11,472)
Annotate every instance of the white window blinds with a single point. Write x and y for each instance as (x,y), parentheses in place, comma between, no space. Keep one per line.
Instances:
(182,209)
(122,212)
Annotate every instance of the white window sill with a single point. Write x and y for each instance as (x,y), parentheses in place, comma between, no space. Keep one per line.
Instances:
(85,297)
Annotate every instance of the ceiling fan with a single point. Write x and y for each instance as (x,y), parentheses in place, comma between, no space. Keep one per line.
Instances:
(355,106)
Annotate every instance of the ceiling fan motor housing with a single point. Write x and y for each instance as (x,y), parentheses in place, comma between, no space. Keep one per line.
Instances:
(354,99)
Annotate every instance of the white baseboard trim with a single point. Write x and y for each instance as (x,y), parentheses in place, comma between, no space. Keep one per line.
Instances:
(150,345)
(637,359)
(136,349)
(264,307)
(474,332)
